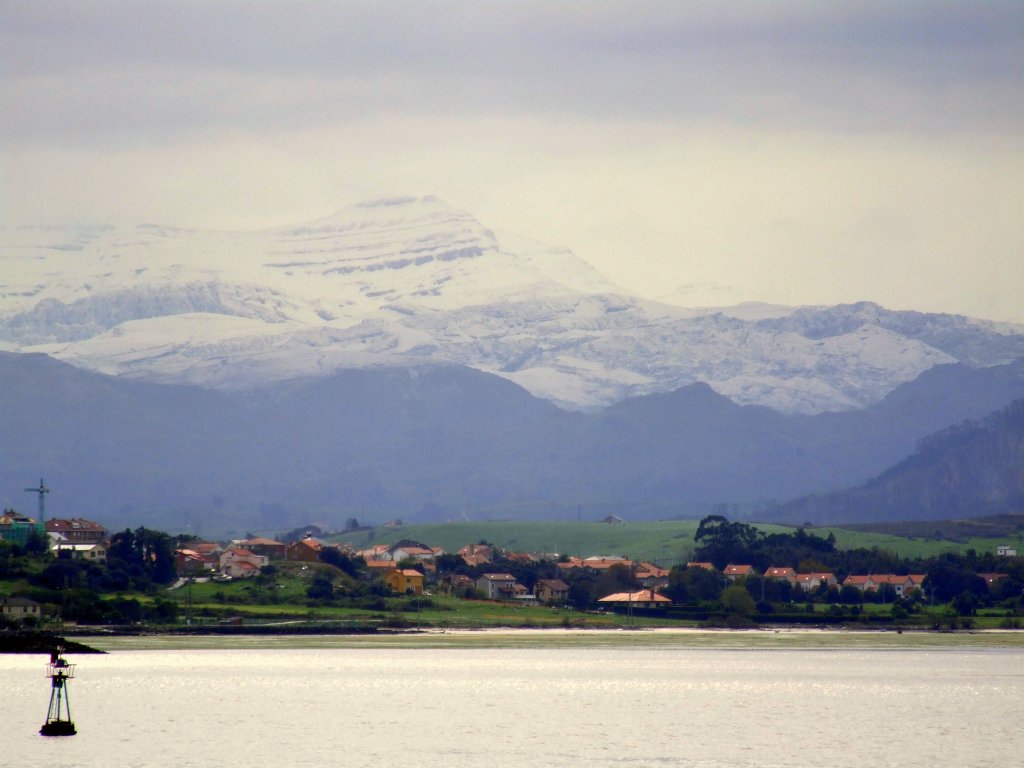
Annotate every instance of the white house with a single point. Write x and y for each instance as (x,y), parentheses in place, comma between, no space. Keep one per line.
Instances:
(241,563)
(497,586)
(94,551)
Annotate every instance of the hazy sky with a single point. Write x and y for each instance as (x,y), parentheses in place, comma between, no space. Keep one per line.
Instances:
(799,152)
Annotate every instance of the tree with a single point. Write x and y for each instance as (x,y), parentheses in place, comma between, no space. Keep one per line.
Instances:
(850,595)
(721,542)
(693,584)
(341,561)
(320,589)
(449,563)
(736,599)
(948,578)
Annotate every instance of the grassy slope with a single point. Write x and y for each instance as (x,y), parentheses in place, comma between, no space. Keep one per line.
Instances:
(667,542)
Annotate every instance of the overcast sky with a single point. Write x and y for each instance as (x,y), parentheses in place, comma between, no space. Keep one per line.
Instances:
(800,153)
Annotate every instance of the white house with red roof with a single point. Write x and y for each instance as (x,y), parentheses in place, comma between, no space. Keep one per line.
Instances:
(733,572)
(783,574)
(645,598)
(240,563)
(498,586)
(76,530)
(809,581)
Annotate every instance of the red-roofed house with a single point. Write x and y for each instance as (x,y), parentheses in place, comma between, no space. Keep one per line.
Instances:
(481,553)
(458,584)
(241,563)
(809,581)
(901,585)
(77,530)
(733,572)
(188,562)
(785,574)
(595,563)
(404,580)
(305,550)
(551,590)
(413,553)
(992,578)
(646,598)
(274,550)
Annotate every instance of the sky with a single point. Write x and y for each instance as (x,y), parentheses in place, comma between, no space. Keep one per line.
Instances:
(786,152)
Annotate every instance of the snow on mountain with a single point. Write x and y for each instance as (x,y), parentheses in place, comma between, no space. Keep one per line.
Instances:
(411,280)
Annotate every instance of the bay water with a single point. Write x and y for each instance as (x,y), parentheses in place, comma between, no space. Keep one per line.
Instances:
(635,705)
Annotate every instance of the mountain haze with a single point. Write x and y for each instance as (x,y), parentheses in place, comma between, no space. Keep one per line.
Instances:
(434,442)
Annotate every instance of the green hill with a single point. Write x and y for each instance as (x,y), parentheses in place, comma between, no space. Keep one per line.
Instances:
(665,542)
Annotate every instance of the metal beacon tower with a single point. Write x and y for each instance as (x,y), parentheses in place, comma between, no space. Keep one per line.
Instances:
(59,672)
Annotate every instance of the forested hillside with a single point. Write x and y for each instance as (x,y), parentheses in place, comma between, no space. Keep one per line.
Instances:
(971,469)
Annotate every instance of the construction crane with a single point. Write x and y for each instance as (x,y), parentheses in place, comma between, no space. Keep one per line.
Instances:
(41,490)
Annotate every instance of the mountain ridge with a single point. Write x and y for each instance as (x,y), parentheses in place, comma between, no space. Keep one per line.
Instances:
(410,280)
(437,442)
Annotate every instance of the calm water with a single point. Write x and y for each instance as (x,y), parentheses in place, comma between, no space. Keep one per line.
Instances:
(524,707)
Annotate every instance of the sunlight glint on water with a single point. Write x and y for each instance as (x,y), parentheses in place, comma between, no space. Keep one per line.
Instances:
(536,707)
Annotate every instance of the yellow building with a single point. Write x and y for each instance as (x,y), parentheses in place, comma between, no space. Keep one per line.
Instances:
(404,580)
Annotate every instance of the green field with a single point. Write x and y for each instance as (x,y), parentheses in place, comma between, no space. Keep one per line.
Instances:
(665,542)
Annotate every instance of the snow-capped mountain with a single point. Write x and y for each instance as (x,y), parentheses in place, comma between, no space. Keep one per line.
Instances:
(411,280)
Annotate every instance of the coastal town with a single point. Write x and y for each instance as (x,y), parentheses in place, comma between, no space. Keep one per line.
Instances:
(337,572)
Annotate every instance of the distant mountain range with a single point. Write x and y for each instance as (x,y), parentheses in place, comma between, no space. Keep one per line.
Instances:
(439,442)
(401,359)
(411,281)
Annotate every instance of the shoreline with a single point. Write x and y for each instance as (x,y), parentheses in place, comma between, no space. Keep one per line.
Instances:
(798,638)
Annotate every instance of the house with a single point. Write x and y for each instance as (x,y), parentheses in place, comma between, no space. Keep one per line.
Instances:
(376,552)
(379,566)
(404,580)
(596,563)
(77,530)
(458,584)
(305,550)
(410,552)
(521,557)
(916,581)
(705,566)
(188,562)
(480,553)
(992,578)
(733,572)
(206,549)
(646,598)
(809,581)
(901,585)
(650,576)
(272,550)
(19,608)
(857,581)
(95,551)
(611,520)
(783,574)
(241,563)
(551,590)
(17,528)
(497,586)
(1005,550)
